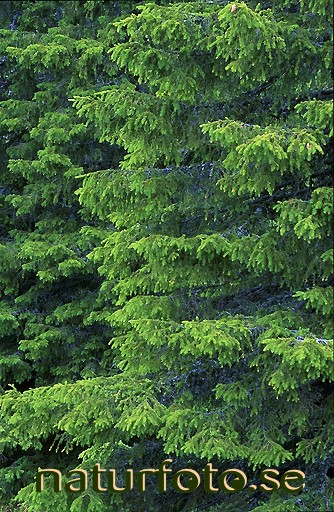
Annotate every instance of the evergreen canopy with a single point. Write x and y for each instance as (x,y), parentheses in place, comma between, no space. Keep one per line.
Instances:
(166,248)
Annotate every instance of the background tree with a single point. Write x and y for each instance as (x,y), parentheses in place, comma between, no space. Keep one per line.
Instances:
(48,288)
(201,252)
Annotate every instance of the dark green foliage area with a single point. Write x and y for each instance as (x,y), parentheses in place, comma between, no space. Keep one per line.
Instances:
(166,254)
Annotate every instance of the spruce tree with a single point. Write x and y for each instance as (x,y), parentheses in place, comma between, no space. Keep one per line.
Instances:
(167,248)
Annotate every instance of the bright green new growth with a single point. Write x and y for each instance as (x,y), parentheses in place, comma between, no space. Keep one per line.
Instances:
(166,247)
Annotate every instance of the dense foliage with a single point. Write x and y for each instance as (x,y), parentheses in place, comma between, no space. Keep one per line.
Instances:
(166,248)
